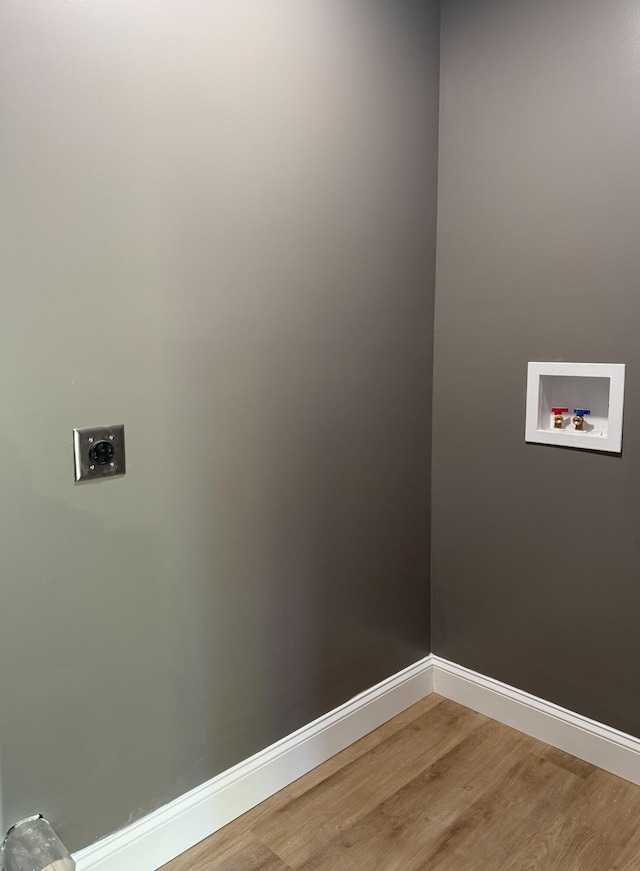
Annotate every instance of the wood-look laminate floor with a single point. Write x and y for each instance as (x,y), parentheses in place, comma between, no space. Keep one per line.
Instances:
(438,788)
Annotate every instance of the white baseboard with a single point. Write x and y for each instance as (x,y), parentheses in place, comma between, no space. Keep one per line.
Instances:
(169,831)
(587,739)
(161,836)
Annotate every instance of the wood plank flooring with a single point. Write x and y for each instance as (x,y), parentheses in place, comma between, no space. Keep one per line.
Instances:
(438,788)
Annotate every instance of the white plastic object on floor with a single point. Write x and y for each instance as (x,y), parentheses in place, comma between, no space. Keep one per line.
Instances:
(32,845)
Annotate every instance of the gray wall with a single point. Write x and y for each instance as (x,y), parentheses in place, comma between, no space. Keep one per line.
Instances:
(535,560)
(219,228)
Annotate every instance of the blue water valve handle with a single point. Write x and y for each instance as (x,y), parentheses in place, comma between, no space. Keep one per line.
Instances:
(581,412)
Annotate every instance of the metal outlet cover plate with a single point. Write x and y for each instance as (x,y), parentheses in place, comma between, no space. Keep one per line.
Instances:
(98,452)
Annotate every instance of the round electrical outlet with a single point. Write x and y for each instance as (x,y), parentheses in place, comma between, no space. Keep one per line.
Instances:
(101,453)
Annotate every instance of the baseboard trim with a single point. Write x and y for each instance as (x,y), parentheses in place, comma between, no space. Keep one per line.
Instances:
(161,836)
(587,739)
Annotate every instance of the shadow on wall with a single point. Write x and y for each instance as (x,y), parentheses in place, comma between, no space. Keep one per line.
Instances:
(301,354)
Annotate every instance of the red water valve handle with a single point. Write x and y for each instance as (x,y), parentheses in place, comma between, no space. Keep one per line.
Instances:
(559,410)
